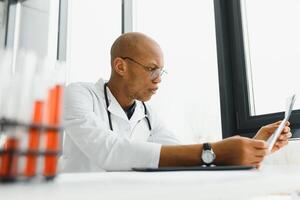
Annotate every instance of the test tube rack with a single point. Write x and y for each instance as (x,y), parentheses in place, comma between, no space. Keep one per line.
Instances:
(11,153)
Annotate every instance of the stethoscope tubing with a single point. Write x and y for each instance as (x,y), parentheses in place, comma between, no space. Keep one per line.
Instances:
(109,114)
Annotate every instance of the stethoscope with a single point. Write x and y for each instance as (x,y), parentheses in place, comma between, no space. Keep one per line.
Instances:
(109,115)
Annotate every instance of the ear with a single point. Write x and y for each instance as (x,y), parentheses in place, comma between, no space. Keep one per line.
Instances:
(120,66)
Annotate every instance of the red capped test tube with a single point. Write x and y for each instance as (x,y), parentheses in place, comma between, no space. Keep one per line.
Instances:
(52,136)
(34,140)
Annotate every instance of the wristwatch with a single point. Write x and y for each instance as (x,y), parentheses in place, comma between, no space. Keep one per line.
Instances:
(208,156)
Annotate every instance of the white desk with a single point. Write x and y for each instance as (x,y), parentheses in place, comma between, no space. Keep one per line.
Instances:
(161,185)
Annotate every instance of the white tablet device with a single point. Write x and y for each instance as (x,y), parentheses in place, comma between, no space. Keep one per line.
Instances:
(272,140)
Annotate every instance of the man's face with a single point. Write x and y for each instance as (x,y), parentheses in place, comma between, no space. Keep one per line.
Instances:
(143,75)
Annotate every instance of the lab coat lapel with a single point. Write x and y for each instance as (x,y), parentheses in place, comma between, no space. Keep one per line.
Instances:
(138,113)
(114,107)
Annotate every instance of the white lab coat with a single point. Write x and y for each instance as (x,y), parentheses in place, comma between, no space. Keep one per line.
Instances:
(90,145)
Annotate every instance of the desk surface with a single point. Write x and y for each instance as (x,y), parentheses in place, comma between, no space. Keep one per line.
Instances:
(268,179)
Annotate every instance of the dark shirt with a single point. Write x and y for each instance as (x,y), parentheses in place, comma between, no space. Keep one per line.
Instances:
(129,112)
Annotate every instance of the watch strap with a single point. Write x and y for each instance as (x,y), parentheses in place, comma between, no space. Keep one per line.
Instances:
(206,146)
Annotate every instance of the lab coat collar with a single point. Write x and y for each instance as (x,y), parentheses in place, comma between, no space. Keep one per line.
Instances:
(114,106)
(139,113)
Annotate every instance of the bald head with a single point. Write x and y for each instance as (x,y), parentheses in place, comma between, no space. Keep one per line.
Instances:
(134,45)
(136,66)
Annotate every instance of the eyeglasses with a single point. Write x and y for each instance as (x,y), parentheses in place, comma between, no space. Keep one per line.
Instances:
(154,72)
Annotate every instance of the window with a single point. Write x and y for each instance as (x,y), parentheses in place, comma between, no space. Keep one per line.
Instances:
(188,97)
(272,46)
(257,53)
(93,25)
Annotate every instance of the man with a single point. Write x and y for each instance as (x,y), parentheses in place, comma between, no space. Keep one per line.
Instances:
(108,125)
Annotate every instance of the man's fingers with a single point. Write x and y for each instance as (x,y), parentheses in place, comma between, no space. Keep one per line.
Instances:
(259,144)
(261,152)
(275,125)
(256,163)
(287,123)
(286,129)
(281,143)
(285,136)
(271,128)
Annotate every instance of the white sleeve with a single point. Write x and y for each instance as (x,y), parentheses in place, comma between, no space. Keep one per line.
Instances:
(160,133)
(97,142)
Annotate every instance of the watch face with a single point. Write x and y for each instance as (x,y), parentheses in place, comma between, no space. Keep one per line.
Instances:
(208,157)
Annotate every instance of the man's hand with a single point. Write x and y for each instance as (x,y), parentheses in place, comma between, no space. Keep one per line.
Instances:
(266,131)
(240,151)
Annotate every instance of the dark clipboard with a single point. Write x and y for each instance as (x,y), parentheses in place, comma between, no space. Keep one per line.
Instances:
(196,168)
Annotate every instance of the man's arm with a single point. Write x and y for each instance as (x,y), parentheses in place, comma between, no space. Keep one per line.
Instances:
(231,151)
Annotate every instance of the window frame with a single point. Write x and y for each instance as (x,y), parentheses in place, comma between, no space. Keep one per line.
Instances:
(62,31)
(4,29)
(233,85)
